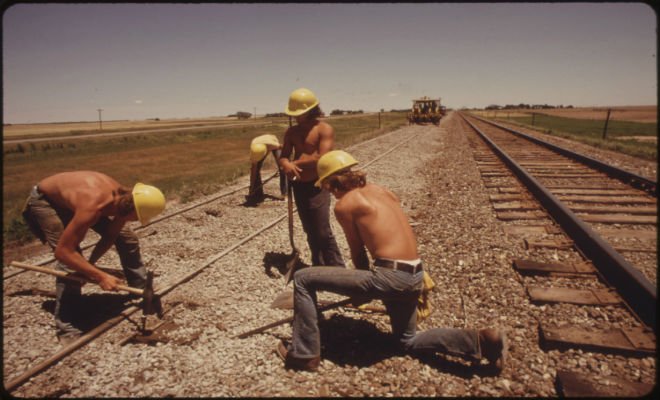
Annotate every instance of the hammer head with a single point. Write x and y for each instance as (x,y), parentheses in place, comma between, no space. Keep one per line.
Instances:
(151,302)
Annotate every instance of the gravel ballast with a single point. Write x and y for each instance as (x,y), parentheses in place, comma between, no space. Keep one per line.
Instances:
(461,244)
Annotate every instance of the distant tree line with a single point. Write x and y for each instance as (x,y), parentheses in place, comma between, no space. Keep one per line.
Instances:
(345,112)
(524,106)
(241,115)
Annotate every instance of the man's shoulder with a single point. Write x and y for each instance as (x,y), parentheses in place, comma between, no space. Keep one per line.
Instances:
(323,126)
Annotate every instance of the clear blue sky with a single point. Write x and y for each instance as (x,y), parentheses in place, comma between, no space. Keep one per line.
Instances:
(61,62)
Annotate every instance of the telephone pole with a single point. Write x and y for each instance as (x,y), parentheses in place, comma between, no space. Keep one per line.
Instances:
(100,121)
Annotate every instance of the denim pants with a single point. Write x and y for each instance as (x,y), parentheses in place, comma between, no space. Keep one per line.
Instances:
(51,221)
(399,291)
(256,185)
(313,206)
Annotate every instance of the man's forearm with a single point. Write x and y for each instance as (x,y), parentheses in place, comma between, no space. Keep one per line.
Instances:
(78,263)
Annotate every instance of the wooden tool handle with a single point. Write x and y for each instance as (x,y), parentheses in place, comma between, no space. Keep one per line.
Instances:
(66,275)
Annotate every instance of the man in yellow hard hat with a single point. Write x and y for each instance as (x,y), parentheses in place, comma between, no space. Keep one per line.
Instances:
(308,140)
(374,224)
(259,148)
(62,208)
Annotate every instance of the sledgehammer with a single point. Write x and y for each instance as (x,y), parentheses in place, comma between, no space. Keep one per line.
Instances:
(150,302)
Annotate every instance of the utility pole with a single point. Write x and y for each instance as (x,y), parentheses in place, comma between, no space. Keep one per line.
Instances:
(607,119)
(100,121)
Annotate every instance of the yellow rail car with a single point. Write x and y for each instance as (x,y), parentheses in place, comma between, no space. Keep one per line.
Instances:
(426,110)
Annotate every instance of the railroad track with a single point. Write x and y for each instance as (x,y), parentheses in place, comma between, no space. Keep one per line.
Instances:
(593,229)
(174,281)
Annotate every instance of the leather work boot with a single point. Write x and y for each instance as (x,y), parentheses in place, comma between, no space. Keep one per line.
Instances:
(304,364)
(492,343)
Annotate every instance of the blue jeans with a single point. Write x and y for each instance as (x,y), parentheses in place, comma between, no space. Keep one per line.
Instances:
(399,291)
(50,221)
(313,206)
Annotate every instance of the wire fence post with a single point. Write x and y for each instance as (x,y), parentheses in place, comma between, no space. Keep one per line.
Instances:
(533,118)
(379,120)
(607,119)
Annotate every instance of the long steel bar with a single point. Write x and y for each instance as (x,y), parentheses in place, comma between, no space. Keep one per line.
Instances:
(84,339)
(637,291)
(627,177)
(70,348)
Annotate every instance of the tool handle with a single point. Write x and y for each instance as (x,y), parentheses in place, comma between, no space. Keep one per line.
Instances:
(289,204)
(289,319)
(68,276)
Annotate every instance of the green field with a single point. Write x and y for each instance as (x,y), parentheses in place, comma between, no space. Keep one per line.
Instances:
(618,138)
(184,164)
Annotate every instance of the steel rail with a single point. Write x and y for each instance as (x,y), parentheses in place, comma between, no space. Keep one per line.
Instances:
(627,177)
(105,326)
(635,289)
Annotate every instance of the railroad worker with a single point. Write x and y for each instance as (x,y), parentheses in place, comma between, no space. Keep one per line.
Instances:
(62,208)
(374,222)
(259,148)
(309,139)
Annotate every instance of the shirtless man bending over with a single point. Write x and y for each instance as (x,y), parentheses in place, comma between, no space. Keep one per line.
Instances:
(62,208)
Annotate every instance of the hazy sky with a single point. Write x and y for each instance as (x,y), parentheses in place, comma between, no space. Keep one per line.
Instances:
(61,62)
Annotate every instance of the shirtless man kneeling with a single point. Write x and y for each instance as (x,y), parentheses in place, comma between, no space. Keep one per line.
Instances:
(373,221)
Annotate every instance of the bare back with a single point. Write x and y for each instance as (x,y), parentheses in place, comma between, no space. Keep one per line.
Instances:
(372,216)
(81,190)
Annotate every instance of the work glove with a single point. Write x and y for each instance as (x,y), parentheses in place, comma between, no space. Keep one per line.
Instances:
(423,301)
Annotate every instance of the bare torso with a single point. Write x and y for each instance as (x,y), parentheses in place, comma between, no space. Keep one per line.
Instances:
(79,190)
(308,143)
(89,195)
(376,219)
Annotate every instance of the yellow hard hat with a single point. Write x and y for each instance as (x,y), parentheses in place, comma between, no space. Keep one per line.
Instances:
(149,202)
(300,101)
(258,152)
(332,162)
(270,140)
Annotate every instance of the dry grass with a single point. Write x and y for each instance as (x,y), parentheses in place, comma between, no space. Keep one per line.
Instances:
(183,164)
(13,130)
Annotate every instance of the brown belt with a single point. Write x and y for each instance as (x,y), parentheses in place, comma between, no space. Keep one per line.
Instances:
(397,265)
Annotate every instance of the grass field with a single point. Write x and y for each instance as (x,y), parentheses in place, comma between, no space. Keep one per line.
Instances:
(631,130)
(184,165)
(621,136)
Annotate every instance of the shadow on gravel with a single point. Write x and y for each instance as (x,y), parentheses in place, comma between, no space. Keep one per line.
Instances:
(348,341)
(96,308)
(278,261)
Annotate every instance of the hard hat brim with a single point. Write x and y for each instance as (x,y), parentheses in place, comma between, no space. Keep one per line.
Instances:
(296,113)
(322,178)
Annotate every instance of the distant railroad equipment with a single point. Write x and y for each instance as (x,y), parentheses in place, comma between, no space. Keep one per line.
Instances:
(425,110)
